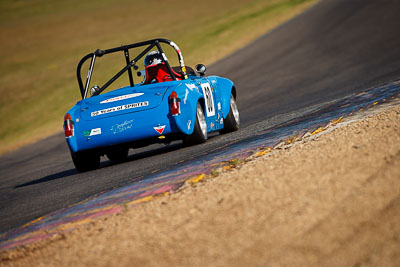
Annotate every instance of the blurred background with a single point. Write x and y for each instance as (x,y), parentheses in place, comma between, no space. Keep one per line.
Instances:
(42,42)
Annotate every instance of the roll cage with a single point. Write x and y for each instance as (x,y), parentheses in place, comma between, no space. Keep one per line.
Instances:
(130,63)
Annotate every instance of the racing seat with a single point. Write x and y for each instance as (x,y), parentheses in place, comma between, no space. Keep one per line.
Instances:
(159,73)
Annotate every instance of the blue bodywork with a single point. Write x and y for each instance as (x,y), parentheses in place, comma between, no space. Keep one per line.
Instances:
(141,112)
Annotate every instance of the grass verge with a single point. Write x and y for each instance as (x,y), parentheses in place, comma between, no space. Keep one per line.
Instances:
(43,41)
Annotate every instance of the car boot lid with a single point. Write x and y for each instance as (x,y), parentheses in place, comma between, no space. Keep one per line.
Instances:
(122,101)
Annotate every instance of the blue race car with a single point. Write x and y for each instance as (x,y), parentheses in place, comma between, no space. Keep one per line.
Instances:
(167,104)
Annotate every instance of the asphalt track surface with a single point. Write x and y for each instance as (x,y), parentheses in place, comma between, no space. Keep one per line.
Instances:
(336,48)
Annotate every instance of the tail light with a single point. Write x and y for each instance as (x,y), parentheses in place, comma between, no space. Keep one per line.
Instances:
(174,104)
(68,126)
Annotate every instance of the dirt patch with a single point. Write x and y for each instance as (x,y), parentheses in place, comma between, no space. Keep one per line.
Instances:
(332,199)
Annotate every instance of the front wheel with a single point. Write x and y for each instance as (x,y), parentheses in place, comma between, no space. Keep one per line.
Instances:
(199,134)
(232,121)
(86,160)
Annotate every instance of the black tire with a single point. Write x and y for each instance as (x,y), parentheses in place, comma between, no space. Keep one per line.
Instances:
(199,134)
(232,121)
(118,155)
(86,160)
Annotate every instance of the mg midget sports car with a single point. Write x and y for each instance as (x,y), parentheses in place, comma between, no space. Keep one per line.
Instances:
(168,104)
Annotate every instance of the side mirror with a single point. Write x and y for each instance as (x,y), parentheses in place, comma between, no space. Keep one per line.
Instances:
(201,69)
(94,90)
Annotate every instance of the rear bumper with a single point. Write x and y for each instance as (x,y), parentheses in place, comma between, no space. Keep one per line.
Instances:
(136,129)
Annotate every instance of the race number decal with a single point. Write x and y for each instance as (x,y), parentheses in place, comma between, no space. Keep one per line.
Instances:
(209,100)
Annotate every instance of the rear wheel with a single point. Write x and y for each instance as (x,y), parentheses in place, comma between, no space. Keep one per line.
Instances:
(199,134)
(86,160)
(232,121)
(118,155)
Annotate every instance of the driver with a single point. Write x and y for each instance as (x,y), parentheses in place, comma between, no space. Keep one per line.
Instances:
(153,58)
(157,70)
